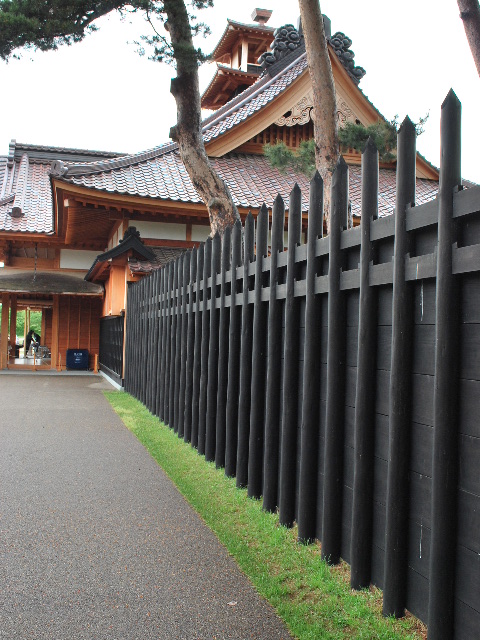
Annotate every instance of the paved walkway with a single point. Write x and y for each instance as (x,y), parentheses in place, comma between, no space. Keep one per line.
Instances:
(95,541)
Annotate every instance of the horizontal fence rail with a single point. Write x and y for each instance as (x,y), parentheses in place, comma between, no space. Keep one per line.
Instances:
(339,379)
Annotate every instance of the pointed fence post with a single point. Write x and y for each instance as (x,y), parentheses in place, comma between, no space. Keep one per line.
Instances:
(202,406)
(163,363)
(178,343)
(148,342)
(197,347)
(187,425)
(335,410)
(396,529)
(168,341)
(144,344)
(245,357)
(364,434)
(128,341)
(445,436)
(274,364)
(259,351)
(288,450)
(173,346)
(161,346)
(213,354)
(308,477)
(233,358)
(223,331)
(155,339)
(183,342)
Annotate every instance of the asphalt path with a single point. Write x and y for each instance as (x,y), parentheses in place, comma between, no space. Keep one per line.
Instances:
(95,541)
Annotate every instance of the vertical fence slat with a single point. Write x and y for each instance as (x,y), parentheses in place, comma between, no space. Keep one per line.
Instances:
(128,341)
(308,476)
(335,409)
(155,340)
(178,341)
(149,343)
(245,359)
(255,447)
(161,346)
(163,363)
(187,435)
(233,388)
(223,331)
(445,439)
(197,347)
(202,407)
(274,362)
(168,341)
(143,343)
(183,341)
(213,354)
(288,450)
(396,530)
(362,510)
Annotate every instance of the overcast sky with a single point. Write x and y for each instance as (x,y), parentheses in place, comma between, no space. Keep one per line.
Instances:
(101,95)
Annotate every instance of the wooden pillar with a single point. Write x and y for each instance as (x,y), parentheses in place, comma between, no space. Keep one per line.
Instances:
(396,529)
(362,512)
(335,409)
(26,327)
(445,433)
(274,364)
(4,331)
(244,61)
(308,477)
(55,330)
(13,323)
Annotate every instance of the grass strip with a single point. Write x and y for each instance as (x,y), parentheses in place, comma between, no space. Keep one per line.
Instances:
(313,599)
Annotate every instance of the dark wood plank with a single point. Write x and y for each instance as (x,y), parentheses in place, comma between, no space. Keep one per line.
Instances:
(468,520)
(467,577)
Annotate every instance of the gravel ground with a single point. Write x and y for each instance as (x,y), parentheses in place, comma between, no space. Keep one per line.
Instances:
(95,541)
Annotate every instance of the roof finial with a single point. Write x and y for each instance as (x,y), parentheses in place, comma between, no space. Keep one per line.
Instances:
(262,16)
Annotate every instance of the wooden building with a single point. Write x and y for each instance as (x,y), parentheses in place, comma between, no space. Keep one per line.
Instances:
(101,220)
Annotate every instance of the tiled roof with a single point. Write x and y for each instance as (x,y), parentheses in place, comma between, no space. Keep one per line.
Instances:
(251,179)
(163,256)
(29,184)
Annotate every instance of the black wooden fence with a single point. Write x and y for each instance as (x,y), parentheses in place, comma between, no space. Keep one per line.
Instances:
(339,379)
(111,346)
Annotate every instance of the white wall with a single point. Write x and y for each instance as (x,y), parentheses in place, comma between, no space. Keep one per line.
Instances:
(71,259)
(200,232)
(160,230)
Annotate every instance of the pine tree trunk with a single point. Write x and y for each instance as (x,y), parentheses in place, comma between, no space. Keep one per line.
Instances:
(470,14)
(324,103)
(187,132)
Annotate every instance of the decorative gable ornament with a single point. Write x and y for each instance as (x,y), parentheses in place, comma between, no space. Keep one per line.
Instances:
(301,112)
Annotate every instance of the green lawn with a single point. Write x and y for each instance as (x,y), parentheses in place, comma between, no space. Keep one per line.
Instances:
(314,599)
